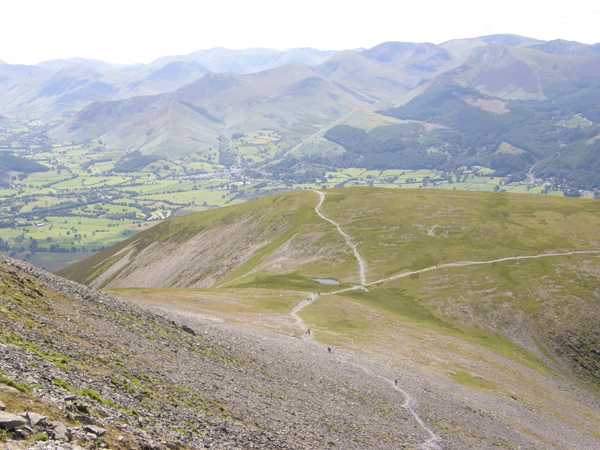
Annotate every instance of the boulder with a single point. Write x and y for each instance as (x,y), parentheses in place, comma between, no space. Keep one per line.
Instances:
(2,406)
(11,421)
(98,431)
(61,432)
(35,419)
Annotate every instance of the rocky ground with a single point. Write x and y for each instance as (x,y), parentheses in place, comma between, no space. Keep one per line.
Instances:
(81,368)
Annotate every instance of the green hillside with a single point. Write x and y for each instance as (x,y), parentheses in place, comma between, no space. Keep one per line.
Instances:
(425,227)
(12,163)
(478,266)
(209,247)
(447,127)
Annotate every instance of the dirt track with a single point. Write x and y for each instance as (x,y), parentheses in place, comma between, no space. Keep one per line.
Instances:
(361,262)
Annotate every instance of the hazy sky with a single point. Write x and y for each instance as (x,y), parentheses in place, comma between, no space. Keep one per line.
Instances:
(128,31)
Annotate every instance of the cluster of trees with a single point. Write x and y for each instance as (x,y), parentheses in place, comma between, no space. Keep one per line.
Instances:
(134,162)
(541,133)
(292,171)
(391,147)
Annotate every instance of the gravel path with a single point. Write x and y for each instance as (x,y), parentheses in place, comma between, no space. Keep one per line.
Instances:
(409,402)
(476,263)
(361,262)
(462,264)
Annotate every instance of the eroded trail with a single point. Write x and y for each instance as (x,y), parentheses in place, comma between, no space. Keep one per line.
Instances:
(361,262)
(408,403)
(476,263)
(298,320)
(466,264)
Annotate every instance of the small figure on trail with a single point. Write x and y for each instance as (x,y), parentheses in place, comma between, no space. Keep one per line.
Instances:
(329,349)
(396,381)
(308,331)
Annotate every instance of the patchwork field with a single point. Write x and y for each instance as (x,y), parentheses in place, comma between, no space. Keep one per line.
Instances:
(94,197)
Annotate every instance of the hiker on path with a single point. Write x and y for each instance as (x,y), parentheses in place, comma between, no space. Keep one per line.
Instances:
(396,381)
(329,349)
(308,331)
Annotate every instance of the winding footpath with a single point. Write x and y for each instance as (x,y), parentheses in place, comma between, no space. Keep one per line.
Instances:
(298,320)
(464,264)
(409,403)
(361,262)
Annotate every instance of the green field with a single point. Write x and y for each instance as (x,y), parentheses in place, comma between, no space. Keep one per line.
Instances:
(105,207)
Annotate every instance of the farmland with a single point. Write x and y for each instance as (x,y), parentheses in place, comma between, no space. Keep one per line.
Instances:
(85,202)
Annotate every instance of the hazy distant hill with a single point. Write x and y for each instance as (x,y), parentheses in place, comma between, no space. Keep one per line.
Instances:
(465,48)
(562,47)
(45,93)
(162,78)
(294,99)
(449,126)
(251,60)
(507,108)
(62,63)
(388,69)
(291,99)
(505,102)
(519,73)
(60,87)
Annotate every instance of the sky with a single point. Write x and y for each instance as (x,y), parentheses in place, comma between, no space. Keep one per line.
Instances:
(129,31)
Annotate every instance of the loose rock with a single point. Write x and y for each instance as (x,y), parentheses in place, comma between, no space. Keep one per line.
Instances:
(98,431)
(11,421)
(61,432)
(35,419)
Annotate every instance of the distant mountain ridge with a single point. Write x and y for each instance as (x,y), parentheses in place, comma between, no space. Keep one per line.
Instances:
(293,99)
(251,60)
(62,63)
(398,104)
(62,87)
(366,70)
(546,106)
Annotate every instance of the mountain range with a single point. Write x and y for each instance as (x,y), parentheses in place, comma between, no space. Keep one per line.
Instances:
(357,317)
(460,103)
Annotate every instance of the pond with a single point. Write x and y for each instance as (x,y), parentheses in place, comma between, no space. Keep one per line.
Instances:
(325,281)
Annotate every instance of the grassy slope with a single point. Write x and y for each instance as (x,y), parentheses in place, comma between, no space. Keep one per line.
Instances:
(396,230)
(399,230)
(546,306)
(272,220)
